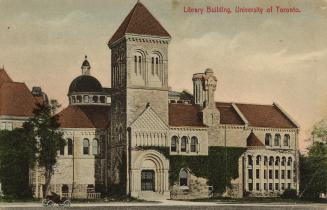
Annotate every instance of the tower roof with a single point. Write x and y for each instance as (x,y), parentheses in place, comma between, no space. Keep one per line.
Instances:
(139,21)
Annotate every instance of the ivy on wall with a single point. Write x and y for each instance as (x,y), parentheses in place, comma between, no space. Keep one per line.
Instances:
(219,167)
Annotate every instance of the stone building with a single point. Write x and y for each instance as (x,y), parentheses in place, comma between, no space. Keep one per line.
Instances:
(17,102)
(141,139)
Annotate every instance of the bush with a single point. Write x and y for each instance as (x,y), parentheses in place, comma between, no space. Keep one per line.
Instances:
(289,194)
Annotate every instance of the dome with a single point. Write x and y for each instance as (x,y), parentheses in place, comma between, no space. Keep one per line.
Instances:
(85,83)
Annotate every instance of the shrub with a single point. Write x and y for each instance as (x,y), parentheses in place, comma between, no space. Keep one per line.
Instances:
(289,194)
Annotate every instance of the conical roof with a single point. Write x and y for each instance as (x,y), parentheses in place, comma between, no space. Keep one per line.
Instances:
(139,21)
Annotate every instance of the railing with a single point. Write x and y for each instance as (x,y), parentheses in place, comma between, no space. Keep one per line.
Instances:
(82,195)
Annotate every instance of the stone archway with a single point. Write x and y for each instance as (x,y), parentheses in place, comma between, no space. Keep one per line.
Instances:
(150,167)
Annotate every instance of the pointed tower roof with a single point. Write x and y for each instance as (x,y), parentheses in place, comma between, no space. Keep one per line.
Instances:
(4,77)
(139,21)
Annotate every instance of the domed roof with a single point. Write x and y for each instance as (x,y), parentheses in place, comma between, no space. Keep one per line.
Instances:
(85,83)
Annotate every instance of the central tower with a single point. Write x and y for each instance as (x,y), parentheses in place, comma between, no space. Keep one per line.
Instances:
(139,78)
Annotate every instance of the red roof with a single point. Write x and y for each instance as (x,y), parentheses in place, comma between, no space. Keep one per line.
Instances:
(185,115)
(265,116)
(253,141)
(228,115)
(139,21)
(16,100)
(87,116)
(4,77)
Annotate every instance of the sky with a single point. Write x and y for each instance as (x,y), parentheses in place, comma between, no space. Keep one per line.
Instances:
(257,58)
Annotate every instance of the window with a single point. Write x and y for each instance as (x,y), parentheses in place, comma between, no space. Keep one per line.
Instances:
(265,186)
(258,186)
(64,188)
(265,160)
(3,126)
(276,186)
(73,99)
(265,174)
(250,162)
(277,161)
(86,99)
(102,99)
(270,186)
(173,145)
(86,145)
(79,99)
(283,161)
(257,174)
(283,174)
(194,144)
(286,140)
(250,173)
(257,162)
(135,64)
(270,174)
(283,186)
(276,174)
(271,160)
(95,147)
(288,174)
(268,139)
(183,144)
(95,99)
(250,186)
(70,146)
(152,65)
(277,139)
(289,161)
(62,149)
(183,178)
(288,185)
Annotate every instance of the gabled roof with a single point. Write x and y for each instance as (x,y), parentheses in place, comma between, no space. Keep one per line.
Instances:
(16,100)
(4,77)
(253,141)
(228,115)
(185,115)
(139,21)
(84,117)
(268,116)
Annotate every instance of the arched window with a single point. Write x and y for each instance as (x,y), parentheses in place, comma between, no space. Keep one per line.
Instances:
(183,144)
(271,161)
(289,161)
(102,99)
(70,146)
(138,59)
(73,99)
(265,160)
(277,161)
(258,159)
(250,161)
(95,147)
(277,139)
(183,177)
(286,140)
(268,139)
(62,149)
(64,188)
(86,147)
(194,144)
(173,145)
(283,161)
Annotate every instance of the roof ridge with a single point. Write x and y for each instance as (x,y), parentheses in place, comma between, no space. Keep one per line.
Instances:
(133,13)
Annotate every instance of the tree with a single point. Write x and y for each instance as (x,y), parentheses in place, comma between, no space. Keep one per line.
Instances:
(320,131)
(17,156)
(45,130)
(313,170)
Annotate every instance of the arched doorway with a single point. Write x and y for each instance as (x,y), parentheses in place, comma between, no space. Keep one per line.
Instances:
(149,174)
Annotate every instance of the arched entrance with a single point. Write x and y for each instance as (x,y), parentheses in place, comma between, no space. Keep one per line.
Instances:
(149,174)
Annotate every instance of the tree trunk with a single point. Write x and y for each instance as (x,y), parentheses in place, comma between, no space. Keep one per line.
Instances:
(47,180)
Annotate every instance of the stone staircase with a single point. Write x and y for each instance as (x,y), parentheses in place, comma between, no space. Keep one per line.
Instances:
(152,196)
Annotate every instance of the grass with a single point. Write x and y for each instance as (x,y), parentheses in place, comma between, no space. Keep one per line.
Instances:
(258,200)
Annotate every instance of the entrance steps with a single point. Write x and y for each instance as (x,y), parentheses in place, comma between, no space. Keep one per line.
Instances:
(152,196)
